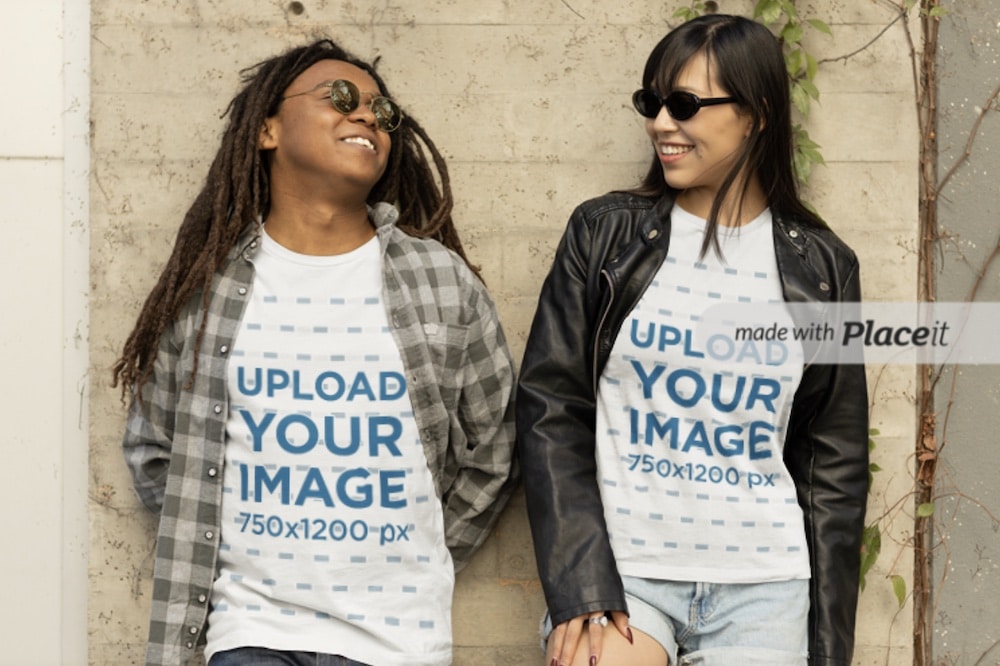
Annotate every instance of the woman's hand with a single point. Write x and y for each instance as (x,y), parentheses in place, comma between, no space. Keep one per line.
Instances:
(584,633)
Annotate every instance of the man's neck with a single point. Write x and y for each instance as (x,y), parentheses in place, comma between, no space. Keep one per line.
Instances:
(317,229)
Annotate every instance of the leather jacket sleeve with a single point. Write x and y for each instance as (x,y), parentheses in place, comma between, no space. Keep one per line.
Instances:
(556,442)
(826,453)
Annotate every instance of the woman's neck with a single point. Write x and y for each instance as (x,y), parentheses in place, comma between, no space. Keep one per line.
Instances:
(737,209)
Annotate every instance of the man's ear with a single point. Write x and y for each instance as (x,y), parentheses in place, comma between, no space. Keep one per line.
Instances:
(268,138)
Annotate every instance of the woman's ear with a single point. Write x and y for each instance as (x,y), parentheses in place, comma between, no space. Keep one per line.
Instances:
(763,116)
(268,137)
(749,124)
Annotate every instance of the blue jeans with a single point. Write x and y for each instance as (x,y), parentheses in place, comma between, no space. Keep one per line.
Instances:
(258,656)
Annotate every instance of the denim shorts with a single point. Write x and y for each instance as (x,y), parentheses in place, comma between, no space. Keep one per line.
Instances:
(709,624)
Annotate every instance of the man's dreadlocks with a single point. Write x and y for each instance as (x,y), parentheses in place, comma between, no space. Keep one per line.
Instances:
(236,194)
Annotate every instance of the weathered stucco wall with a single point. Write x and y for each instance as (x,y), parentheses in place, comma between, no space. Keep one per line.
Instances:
(966,578)
(529,101)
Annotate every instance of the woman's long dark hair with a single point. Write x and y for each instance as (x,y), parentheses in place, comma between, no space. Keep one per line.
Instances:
(747,62)
(236,194)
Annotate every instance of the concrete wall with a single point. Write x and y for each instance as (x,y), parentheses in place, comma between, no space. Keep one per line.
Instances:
(529,101)
(967,554)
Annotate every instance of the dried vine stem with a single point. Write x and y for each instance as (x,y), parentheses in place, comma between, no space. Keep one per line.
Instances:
(926,444)
(848,56)
(931,439)
(973,133)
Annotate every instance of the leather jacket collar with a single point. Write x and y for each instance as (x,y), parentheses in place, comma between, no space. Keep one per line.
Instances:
(626,273)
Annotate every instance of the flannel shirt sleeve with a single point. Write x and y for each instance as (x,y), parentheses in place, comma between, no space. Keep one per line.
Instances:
(149,428)
(487,473)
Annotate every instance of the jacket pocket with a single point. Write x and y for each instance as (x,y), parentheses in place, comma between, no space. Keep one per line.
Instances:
(448,345)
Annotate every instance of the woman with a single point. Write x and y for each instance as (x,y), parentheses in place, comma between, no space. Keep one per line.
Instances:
(688,506)
(321,391)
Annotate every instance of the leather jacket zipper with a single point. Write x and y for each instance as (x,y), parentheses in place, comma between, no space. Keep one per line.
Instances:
(600,324)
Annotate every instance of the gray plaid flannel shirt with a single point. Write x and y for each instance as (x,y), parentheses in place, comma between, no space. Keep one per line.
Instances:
(460,377)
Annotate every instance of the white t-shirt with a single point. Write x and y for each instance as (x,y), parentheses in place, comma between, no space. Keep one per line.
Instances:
(690,434)
(333,536)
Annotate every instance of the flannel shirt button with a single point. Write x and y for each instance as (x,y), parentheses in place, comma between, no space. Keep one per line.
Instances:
(217,409)
(189,645)
(193,630)
(210,535)
(793,233)
(202,598)
(242,291)
(223,349)
(213,472)
(823,286)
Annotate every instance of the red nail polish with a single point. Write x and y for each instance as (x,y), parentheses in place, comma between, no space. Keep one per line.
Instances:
(593,660)
(631,642)
(554,662)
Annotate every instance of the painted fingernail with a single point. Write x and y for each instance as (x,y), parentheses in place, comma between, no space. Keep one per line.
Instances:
(631,642)
(593,660)
(554,662)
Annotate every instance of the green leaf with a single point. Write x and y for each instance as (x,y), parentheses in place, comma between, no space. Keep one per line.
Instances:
(925,510)
(793,62)
(937,12)
(810,88)
(802,168)
(899,588)
(788,6)
(803,142)
(792,33)
(767,11)
(800,98)
(821,26)
(811,67)
(696,9)
(813,155)
(871,545)
(805,156)
(872,468)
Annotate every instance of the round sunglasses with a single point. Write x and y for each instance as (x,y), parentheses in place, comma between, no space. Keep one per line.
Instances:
(346,97)
(681,105)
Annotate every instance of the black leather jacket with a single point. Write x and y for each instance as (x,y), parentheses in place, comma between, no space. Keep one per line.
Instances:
(610,252)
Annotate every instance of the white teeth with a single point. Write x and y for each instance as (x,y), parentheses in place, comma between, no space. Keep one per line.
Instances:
(360,141)
(674,150)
